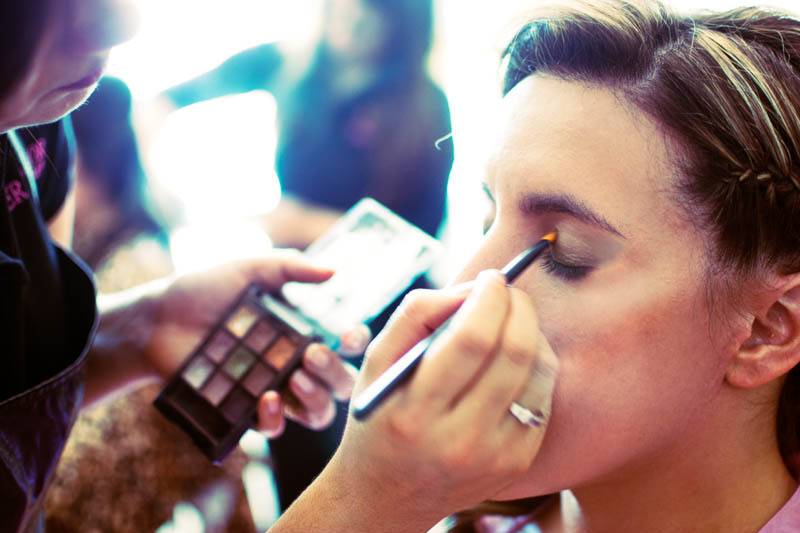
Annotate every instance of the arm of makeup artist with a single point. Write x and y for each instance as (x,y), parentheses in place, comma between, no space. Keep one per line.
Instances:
(146,332)
(445,441)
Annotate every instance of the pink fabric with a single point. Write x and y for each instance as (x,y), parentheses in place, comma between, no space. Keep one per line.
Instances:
(787,520)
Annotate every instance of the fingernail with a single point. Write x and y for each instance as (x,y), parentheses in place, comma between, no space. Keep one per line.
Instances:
(318,356)
(488,276)
(273,403)
(303,382)
(356,340)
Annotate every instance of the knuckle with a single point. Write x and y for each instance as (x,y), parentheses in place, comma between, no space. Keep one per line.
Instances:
(498,395)
(414,302)
(324,418)
(455,457)
(473,342)
(344,387)
(518,353)
(403,428)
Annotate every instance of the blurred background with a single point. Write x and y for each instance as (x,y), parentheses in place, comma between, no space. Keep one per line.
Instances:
(202,168)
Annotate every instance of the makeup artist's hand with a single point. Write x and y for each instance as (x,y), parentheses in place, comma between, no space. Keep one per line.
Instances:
(445,441)
(191,305)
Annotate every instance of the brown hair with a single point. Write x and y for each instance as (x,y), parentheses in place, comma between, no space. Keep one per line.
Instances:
(726,87)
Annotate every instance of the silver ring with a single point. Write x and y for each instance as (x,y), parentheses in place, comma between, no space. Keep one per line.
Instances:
(526,417)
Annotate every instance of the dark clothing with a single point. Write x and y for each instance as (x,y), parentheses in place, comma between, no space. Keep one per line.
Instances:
(331,153)
(47,319)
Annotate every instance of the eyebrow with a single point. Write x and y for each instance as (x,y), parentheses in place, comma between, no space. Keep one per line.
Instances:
(562,204)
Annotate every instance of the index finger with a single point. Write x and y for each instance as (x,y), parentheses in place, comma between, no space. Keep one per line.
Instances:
(469,345)
(420,313)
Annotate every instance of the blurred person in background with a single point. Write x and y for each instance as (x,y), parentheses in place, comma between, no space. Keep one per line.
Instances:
(113,200)
(358,116)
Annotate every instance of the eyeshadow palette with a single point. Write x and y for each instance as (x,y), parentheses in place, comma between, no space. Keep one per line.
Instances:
(375,253)
(254,348)
(258,343)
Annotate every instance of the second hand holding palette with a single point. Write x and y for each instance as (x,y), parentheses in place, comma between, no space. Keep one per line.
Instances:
(215,395)
(261,340)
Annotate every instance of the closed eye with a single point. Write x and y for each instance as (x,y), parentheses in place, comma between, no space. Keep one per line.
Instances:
(562,270)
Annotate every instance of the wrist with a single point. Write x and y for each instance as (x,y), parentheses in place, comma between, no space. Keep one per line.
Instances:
(345,498)
(119,354)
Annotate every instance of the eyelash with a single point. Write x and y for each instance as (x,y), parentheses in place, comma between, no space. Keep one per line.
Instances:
(563,271)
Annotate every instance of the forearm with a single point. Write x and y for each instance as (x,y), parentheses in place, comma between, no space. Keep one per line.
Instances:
(337,503)
(117,358)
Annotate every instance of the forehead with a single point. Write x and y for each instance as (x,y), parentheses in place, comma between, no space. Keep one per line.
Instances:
(567,137)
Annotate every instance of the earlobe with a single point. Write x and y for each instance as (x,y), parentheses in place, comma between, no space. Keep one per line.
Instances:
(773,347)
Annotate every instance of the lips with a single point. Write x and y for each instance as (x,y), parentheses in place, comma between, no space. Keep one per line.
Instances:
(87,81)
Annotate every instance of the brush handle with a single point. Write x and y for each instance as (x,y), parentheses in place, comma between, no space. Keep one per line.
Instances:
(395,375)
(403,368)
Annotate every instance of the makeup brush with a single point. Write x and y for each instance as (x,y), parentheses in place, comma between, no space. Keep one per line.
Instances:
(401,370)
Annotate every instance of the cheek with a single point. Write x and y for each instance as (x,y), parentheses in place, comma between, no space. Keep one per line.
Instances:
(638,370)
(53,107)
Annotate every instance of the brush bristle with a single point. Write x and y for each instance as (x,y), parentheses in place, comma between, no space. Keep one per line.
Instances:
(551,237)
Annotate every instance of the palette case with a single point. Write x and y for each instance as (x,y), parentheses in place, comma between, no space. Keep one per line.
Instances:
(261,339)
(253,349)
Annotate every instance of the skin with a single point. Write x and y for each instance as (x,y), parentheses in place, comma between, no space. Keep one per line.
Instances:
(663,408)
(146,332)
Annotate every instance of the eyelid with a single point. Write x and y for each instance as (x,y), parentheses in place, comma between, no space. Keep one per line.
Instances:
(568,257)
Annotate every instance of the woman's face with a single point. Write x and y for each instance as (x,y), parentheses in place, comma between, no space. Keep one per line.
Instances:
(354,30)
(622,300)
(69,60)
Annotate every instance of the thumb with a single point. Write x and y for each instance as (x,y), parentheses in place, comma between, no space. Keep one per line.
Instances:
(420,313)
(282,266)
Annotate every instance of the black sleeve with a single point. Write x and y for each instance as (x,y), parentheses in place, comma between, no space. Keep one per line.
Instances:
(246,71)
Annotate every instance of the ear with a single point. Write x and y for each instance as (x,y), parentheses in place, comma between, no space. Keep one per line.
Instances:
(773,347)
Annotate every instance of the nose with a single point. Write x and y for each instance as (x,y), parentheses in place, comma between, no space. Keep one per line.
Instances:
(495,251)
(103,24)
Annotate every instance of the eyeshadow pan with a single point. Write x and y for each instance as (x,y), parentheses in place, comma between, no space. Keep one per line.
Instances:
(237,405)
(239,362)
(258,379)
(242,320)
(260,336)
(219,346)
(216,389)
(198,371)
(250,350)
(280,353)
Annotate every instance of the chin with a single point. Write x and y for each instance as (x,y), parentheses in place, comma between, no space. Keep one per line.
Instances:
(56,107)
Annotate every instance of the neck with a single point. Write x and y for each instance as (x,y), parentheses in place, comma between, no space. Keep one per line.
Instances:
(735,481)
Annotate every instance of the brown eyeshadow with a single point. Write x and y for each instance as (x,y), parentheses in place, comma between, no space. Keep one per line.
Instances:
(252,350)
(258,379)
(260,336)
(242,320)
(217,388)
(198,371)
(239,362)
(237,405)
(280,353)
(219,346)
